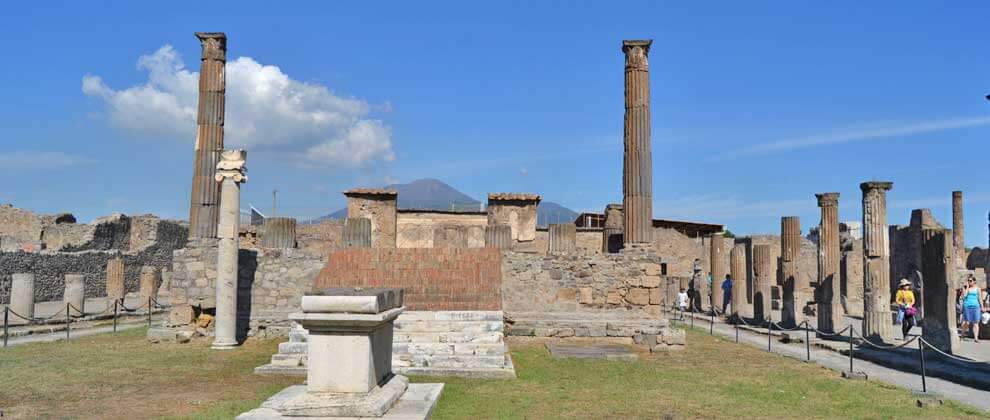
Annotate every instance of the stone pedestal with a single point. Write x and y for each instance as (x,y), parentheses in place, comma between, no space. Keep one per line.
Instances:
(357,233)
(204,205)
(149,284)
(829,293)
(763,270)
(279,233)
(379,207)
(790,251)
(230,174)
(939,323)
(22,297)
(562,238)
(737,266)
(498,236)
(115,279)
(75,293)
(876,262)
(637,163)
(349,370)
(518,210)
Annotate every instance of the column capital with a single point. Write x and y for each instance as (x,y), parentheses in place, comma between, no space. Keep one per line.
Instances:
(956,194)
(231,165)
(876,185)
(214,45)
(636,52)
(829,199)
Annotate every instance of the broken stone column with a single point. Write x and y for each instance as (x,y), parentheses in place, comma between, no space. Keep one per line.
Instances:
(717,262)
(562,238)
(22,297)
(357,233)
(115,280)
(75,294)
(637,167)
(378,206)
(790,251)
(518,210)
(763,278)
(939,324)
(829,284)
(498,236)
(279,233)
(877,320)
(349,369)
(231,173)
(149,283)
(204,205)
(958,228)
(737,266)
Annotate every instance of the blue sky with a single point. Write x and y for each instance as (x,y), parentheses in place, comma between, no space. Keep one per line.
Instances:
(756,105)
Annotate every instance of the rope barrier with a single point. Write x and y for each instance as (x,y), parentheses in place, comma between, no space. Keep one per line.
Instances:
(946,354)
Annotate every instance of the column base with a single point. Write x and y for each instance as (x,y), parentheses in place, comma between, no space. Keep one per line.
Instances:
(218,345)
(396,399)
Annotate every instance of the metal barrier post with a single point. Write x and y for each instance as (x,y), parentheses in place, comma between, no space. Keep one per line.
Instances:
(769,331)
(737,331)
(149,311)
(6,325)
(692,317)
(850,349)
(115,301)
(807,339)
(921,354)
(711,330)
(68,319)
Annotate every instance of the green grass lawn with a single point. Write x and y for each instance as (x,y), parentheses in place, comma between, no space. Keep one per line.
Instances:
(123,376)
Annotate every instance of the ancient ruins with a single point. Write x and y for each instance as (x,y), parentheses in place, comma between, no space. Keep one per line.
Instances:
(442,289)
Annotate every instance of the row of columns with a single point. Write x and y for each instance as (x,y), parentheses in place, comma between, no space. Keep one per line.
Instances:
(22,289)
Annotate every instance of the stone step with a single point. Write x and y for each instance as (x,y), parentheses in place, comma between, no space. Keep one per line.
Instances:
(288,360)
(461,316)
(450,361)
(585,328)
(290,347)
(447,337)
(449,326)
(463,349)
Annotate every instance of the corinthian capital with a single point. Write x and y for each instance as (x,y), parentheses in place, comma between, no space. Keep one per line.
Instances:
(636,52)
(214,45)
(231,165)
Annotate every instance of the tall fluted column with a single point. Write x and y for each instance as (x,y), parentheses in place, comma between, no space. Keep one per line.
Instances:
(877,320)
(230,174)
(762,281)
(204,205)
(717,257)
(637,168)
(958,228)
(790,250)
(737,266)
(829,285)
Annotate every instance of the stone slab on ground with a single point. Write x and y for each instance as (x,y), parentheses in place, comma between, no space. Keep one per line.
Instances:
(592,351)
(417,403)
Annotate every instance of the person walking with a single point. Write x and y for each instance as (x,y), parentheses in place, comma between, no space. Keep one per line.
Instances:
(682,301)
(726,293)
(973,308)
(905,306)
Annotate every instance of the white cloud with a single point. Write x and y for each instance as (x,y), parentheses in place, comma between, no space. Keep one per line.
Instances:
(523,171)
(390,180)
(266,110)
(874,133)
(40,160)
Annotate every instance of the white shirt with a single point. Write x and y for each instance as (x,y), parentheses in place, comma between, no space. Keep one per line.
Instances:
(682,299)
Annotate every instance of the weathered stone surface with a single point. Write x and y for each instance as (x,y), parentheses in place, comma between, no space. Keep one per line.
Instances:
(563,238)
(115,278)
(279,233)
(181,315)
(230,174)
(350,300)
(149,283)
(169,335)
(717,260)
(638,296)
(958,226)
(378,206)
(939,323)
(790,251)
(517,210)
(75,293)
(498,236)
(829,284)
(22,298)
(740,279)
(637,168)
(356,233)
(763,280)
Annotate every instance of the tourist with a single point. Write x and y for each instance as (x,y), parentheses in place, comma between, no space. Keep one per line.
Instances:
(905,306)
(682,302)
(972,308)
(726,291)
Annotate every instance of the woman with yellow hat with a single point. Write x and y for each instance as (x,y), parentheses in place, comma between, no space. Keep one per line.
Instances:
(905,306)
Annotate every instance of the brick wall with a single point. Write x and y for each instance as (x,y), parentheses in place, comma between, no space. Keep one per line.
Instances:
(434,279)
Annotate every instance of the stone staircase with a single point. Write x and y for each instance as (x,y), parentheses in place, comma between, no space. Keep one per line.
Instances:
(441,343)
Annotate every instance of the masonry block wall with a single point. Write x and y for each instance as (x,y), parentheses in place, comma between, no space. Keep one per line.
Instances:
(435,279)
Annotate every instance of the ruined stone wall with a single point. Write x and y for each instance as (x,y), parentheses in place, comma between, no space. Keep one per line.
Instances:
(626,283)
(434,279)
(20,225)
(415,229)
(589,240)
(678,250)
(380,209)
(271,282)
(50,267)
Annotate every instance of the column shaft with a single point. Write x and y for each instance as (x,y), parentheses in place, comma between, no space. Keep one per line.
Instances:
(790,250)
(203,206)
(637,175)
(958,228)
(737,265)
(762,280)
(829,284)
(877,319)
(717,261)
(939,323)
(230,175)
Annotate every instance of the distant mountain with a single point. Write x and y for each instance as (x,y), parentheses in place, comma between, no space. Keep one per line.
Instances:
(433,194)
(549,212)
